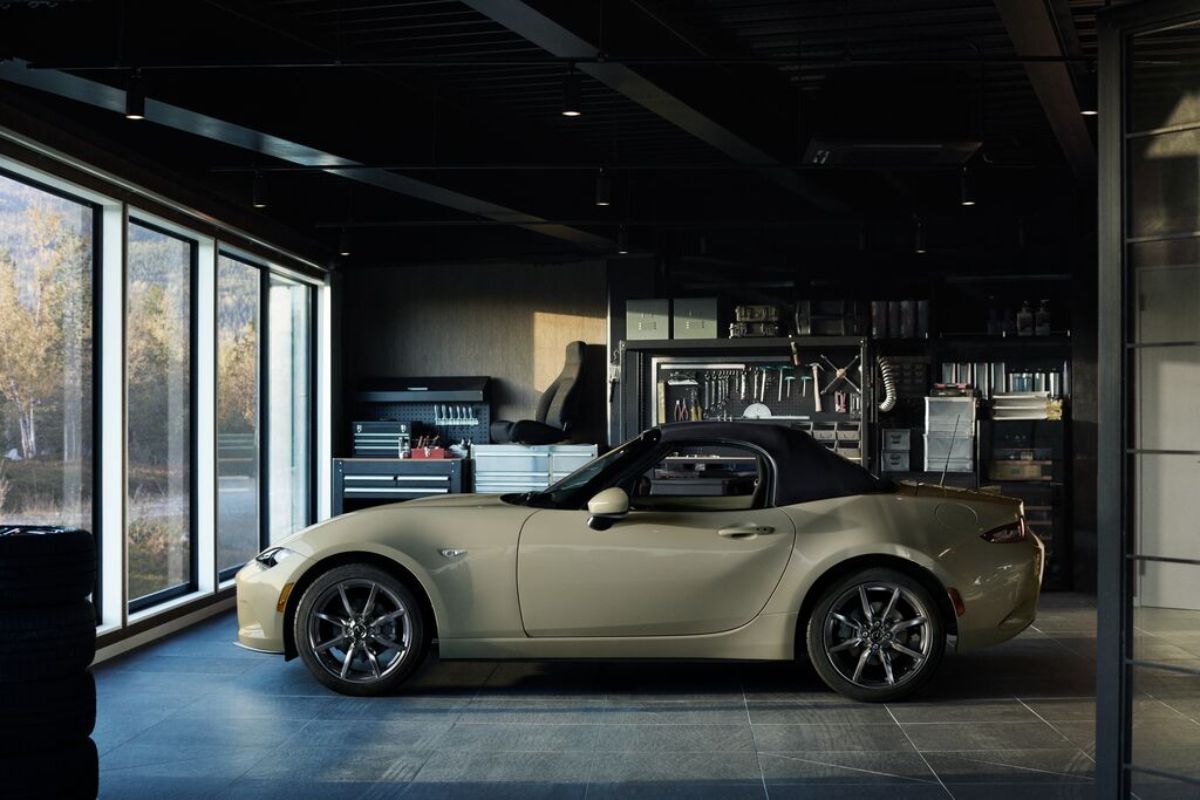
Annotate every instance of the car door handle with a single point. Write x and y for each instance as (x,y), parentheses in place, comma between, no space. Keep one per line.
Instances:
(745,531)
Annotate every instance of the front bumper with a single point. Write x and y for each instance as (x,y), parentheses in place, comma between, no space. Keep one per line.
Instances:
(260,617)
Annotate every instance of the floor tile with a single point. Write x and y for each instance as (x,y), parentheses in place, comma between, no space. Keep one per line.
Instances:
(519,738)
(664,767)
(995,710)
(830,737)
(839,768)
(673,738)
(983,736)
(369,734)
(1013,766)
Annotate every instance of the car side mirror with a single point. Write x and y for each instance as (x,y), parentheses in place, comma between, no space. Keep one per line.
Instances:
(608,507)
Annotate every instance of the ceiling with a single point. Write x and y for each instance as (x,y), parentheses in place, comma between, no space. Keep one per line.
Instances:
(701,111)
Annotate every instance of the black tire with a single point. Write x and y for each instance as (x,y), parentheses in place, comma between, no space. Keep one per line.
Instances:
(408,628)
(45,643)
(864,643)
(42,566)
(70,773)
(46,715)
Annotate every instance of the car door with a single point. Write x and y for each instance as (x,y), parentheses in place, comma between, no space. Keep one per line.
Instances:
(699,552)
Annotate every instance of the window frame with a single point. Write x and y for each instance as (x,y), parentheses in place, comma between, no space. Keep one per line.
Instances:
(225,575)
(662,451)
(266,270)
(115,202)
(138,604)
(48,184)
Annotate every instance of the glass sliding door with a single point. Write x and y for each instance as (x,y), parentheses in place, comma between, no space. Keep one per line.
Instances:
(47,257)
(159,399)
(289,406)
(239,291)
(1148,733)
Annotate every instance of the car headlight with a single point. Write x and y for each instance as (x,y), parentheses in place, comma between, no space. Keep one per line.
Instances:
(273,555)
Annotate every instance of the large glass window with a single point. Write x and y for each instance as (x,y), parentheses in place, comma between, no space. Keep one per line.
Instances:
(46,268)
(239,287)
(1161,664)
(158,343)
(289,396)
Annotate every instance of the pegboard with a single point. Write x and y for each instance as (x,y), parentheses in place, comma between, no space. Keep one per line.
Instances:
(426,421)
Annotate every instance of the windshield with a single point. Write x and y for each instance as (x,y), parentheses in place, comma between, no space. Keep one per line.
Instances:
(581,484)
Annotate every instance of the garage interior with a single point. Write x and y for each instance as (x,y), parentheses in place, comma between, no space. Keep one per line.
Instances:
(263,263)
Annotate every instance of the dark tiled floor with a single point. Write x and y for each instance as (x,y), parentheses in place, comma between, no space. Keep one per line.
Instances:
(195,717)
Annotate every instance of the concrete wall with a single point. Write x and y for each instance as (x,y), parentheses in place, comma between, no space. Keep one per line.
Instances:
(509,320)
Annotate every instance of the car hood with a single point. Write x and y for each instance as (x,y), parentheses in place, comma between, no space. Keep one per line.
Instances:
(459,501)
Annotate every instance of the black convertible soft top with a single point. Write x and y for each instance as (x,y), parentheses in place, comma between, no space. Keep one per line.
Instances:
(805,469)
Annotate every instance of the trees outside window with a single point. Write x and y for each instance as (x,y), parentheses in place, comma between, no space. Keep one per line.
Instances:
(158,375)
(46,356)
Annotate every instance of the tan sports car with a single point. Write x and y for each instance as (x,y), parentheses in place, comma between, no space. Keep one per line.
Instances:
(699,540)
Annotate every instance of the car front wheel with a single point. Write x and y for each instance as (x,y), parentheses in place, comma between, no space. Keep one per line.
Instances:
(359,630)
(876,635)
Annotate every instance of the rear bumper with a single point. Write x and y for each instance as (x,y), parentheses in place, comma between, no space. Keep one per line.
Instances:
(1005,602)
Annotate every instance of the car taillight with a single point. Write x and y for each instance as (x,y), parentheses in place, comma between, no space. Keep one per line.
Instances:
(1007,534)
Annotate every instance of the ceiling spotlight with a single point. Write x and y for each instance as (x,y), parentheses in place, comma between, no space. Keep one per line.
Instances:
(919,239)
(344,243)
(135,96)
(623,241)
(603,188)
(258,191)
(1087,98)
(967,188)
(571,106)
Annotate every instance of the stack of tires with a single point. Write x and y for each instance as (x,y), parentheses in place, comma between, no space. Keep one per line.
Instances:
(47,642)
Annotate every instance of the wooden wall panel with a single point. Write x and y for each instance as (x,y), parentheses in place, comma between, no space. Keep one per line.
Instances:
(511,321)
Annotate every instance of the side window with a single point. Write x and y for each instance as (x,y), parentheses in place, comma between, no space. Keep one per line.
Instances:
(701,477)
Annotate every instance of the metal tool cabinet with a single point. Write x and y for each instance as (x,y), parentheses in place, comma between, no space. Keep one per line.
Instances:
(388,480)
(526,468)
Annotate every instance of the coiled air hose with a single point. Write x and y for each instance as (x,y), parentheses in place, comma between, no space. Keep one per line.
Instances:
(888,374)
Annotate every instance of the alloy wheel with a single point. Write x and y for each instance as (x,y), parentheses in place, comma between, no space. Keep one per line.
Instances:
(877,635)
(359,631)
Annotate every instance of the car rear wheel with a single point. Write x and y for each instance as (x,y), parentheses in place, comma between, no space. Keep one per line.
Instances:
(876,635)
(360,630)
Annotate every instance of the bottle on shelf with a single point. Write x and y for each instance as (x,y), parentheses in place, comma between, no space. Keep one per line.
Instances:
(1041,323)
(1025,319)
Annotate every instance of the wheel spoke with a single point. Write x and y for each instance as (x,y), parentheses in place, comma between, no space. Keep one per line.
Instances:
(321,648)
(908,651)
(866,604)
(887,612)
(862,662)
(886,657)
(847,621)
(386,618)
(908,623)
(388,643)
(345,601)
(846,645)
(369,606)
(349,658)
(332,620)
(372,659)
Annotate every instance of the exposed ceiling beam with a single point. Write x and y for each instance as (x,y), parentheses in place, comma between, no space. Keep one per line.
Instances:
(548,34)
(1032,26)
(103,96)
